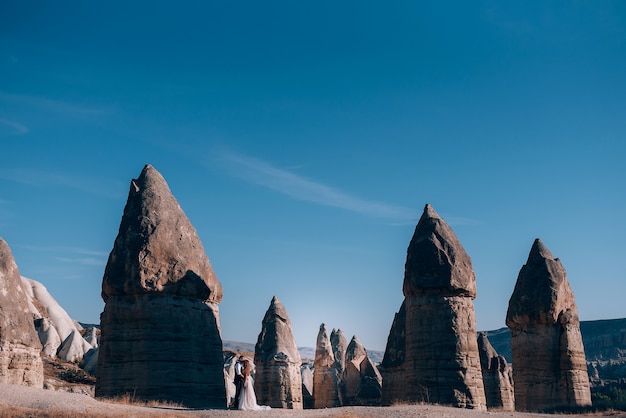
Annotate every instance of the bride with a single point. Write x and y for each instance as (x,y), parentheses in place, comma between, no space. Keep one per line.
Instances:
(247,398)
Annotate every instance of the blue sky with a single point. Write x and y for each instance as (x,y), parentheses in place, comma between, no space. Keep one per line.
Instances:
(303,140)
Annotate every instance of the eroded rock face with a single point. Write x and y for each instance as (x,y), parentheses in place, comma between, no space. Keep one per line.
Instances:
(325,377)
(392,366)
(278,380)
(20,359)
(355,354)
(58,333)
(549,366)
(160,326)
(441,364)
(362,382)
(497,376)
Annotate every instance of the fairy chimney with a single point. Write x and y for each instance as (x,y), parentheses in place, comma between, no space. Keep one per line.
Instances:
(549,365)
(441,364)
(497,376)
(160,326)
(278,379)
(325,376)
(20,359)
(392,366)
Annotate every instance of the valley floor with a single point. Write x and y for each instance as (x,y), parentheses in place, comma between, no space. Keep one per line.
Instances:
(19,401)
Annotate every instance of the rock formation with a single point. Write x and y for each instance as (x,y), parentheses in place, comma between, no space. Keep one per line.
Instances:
(355,354)
(549,368)
(20,359)
(361,383)
(370,388)
(392,366)
(325,378)
(497,376)
(442,364)
(278,380)
(307,387)
(160,326)
(59,335)
(339,345)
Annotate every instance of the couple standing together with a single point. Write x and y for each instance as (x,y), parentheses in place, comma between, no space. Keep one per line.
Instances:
(245,398)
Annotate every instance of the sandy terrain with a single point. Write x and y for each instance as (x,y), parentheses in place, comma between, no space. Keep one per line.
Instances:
(26,401)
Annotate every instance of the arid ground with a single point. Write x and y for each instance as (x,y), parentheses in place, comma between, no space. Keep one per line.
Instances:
(20,401)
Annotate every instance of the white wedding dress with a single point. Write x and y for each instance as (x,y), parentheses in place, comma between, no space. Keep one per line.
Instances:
(247,397)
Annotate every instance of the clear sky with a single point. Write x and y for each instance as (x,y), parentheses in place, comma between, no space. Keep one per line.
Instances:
(303,139)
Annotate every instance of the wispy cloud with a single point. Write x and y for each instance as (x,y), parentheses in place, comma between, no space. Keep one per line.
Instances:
(52,105)
(39,178)
(264,174)
(72,255)
(12,128)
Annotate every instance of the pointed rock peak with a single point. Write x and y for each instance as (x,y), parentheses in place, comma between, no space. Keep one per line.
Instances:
(436,261)
(429,212)
(276,335)
(539,252)
(485,349)
(157,249)
(324,355)
(355,349)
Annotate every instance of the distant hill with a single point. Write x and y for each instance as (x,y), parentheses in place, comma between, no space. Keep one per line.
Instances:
(603,340)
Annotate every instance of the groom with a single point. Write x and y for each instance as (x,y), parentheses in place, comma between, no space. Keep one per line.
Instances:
(238,380)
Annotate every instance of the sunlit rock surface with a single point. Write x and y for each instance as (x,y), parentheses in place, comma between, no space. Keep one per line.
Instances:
(20,359)
(441,363)
(278,379)
(549,365)
(160,326)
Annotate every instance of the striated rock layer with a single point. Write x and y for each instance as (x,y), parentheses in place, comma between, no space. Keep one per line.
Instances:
(549,366)
(278,379)
(160,326)
(325,377)
(441,364)
(20,359)
(392,366)
(497,376)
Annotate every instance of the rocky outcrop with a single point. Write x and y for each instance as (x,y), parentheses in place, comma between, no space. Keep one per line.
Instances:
(362,382)
(307,386)
(325,378)
(160,326)
(441,364)
(20,359)
(370,388)
(549,368)
(392,366)
(339,345)
(59,335)
(355,354)
(497,377)
(278,380)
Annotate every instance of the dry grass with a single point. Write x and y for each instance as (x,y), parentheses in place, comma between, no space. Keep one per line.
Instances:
(129,399)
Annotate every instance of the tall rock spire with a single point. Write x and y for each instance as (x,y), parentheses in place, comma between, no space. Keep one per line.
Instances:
(20,359)
(442,364)
(160,326)
(326,376)
(496,376)
(278,378)
(549,366)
